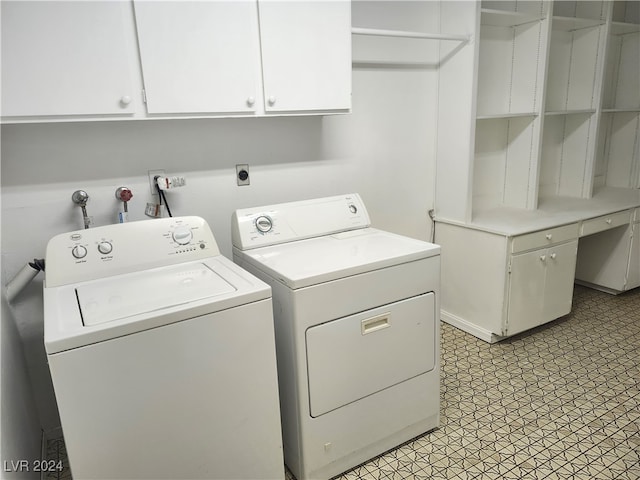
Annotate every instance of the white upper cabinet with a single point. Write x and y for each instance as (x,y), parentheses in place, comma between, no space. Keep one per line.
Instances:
(306,54)
(65,58)
(75,60)
(199,57)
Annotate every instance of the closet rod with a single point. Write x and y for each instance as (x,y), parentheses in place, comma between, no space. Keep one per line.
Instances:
(400,33)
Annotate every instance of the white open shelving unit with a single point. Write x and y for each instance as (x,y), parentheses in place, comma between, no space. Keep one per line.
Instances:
(556,96)
(543,163)
(617,158)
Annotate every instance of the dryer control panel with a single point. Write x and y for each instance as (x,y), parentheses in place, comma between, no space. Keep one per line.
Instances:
(125,248)
(286,222)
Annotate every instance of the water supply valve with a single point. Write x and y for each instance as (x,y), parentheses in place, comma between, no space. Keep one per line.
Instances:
(124,195)
(80,198)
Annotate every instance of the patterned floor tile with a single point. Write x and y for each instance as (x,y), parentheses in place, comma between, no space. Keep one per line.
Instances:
(560,402)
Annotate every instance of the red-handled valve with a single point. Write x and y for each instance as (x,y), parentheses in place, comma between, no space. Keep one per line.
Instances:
(124,194)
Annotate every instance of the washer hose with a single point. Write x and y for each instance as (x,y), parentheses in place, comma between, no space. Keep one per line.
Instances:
(23,278)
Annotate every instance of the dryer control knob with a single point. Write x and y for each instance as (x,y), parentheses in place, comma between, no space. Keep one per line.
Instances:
(182,235)
(105,248)
(264,224)
(79,251)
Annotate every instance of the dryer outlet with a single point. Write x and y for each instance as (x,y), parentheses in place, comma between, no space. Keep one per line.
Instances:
(242,174)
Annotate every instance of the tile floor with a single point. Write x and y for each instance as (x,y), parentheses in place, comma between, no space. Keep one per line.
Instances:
(561,401)
(57,453)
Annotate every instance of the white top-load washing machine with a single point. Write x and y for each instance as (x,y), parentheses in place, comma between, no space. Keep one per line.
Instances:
(356,311)
(162,355)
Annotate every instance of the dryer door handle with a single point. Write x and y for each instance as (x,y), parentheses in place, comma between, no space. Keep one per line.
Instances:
(373,324)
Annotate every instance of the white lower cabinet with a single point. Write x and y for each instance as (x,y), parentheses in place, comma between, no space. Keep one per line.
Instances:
(609,260)
(497,285)
(540,286)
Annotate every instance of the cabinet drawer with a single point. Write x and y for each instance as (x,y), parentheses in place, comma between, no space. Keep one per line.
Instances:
(544,238)
(605,222)
(636,215)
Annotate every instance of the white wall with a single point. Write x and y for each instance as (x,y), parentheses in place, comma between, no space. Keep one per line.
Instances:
(21,434)
(384,150)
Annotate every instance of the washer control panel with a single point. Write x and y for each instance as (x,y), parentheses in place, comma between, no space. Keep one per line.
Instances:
(285,222)
(126,247)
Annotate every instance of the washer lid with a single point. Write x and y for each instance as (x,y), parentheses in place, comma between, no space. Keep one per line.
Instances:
(112,298)
(322,259)
(90,312)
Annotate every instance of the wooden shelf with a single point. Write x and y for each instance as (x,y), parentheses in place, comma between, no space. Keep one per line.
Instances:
(498,116)
(621,110)
(501,18)
(569,24)
(622,28)
(587,111)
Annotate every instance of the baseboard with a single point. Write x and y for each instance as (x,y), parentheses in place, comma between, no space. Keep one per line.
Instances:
(600,288)
(469,327)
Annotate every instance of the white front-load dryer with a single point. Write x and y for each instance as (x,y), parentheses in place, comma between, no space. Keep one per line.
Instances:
(356,312)
(162,355)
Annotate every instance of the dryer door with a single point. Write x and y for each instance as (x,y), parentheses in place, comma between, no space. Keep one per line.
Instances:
(359,355)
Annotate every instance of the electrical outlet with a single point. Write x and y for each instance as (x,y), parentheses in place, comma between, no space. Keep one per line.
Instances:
(152,181)
(242,174)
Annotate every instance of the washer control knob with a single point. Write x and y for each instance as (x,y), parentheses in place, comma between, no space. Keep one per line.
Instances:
(105,248)
(353,208)
(264,224)
(182,235)
(79,251)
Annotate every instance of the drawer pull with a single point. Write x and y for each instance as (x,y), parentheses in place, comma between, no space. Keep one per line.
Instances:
(376,323)
(548,236)
(608,220)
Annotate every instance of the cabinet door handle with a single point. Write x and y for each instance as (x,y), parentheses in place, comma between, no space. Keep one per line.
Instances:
(543,258)
(553,256)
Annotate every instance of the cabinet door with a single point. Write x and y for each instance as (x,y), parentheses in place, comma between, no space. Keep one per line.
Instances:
(526,291)
(558,291)
(65,58)
(633,271)
(199,56)
(306,54)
